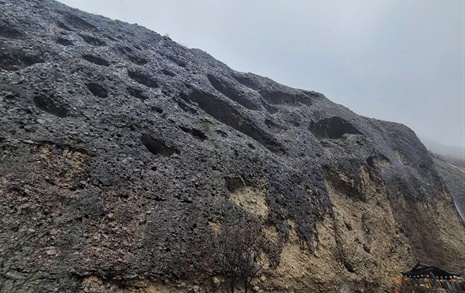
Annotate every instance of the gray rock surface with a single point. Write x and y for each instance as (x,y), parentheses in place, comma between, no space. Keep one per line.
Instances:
(120,149)
(454,177)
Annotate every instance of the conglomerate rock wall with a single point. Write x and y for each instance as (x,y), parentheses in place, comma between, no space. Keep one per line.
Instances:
(124,154)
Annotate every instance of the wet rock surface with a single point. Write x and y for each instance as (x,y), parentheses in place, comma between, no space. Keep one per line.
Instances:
(122,152)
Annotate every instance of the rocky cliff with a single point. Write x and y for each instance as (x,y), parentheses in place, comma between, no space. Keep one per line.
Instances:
(125,156)
(453,174)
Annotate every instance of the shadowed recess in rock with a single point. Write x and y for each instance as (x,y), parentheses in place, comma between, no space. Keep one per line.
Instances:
(377,161)
(274,127)
(77,22)
(168,72)
(157,109)
(234,183)
(92,40)
(124,50)
(136,93)
(142,79)
(222,133)
(269,108)
(64,42)
(232,92)
(177,60)
(223,112)
(183,104)
(246,81)
(97,90)
(7,31)
(95,60)
(48,105)
(62,26)
(157,147)
(17,61)
(194,132)
(133,56)
(333,128)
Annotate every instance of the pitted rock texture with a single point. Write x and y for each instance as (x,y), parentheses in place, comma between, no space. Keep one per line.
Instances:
(123,154)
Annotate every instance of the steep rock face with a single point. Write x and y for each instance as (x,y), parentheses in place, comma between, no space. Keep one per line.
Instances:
(454,177)
(123,154)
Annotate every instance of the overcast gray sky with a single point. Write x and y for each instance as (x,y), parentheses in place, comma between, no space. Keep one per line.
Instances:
(396,60)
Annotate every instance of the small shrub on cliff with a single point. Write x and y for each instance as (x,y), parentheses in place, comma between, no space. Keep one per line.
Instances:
(242,252)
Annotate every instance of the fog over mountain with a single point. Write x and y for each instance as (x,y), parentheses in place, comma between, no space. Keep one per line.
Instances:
(445,150)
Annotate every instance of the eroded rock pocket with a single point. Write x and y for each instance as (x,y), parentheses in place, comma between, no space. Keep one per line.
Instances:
(333,128)
(132,56)
(8,32)
(96,60)
(194,132)
(269,108)
(64,42)
(158,147)
(378,161)
(137,59)
(225,113)
(142,78)
(230,91)
(184,104)
(92,40)
(17,61)
(97,90)
(136,93)
(77,22)
(246,81)
(177,60)
(274,127)
(48,105)
(168,72)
